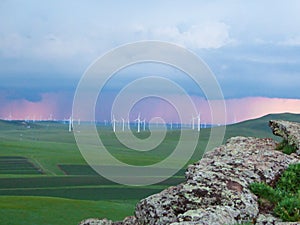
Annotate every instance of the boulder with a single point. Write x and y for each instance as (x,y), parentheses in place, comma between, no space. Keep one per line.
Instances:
(289,131)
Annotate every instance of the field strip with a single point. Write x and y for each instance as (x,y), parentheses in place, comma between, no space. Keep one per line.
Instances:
(84,186)
(41,166)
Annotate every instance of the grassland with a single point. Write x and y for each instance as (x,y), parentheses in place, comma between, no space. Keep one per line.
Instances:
(26,210)
(45,180)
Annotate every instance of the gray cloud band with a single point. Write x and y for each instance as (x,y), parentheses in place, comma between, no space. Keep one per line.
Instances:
(90,145)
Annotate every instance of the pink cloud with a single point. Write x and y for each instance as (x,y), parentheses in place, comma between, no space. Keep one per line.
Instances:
(54,105)
(59,105)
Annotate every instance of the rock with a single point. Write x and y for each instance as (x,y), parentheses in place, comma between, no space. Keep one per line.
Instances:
(216,190)
(266,219)
(130,220)
(289,131)
(94,221)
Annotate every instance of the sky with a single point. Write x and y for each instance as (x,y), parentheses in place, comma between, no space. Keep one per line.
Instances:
(253,49)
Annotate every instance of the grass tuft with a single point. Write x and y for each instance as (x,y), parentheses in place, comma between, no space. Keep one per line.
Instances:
(286,148)
(285,197)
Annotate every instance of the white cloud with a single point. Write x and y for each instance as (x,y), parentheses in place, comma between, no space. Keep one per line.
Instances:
(60,46)
(203,36)
(294,41)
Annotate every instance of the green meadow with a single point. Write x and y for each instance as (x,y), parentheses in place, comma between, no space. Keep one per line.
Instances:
(45,180)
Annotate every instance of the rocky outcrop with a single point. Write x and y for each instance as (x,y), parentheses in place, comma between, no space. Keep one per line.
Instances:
(216,188)
(289,131)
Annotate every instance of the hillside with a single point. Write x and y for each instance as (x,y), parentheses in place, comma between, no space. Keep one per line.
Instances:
(258,127)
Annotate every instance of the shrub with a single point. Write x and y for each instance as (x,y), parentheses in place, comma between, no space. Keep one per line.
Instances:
(285,197)
(290,180)
(265,191)
(288,209)
(286,148)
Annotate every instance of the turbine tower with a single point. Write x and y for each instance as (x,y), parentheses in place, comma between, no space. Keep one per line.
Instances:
(198,122)
(114,123)
(139,123)
(128,124)
(123,124)
(70,124)
(144,124)
(193,123)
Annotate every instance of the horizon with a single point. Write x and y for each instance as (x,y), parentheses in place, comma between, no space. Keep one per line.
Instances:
(119,122)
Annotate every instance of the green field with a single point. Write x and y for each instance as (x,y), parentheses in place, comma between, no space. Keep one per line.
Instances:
(45,180)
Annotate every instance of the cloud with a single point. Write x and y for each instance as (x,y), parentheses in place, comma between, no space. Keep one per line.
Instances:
(59,105)
(252,51)
(292,41)
(26,94)
(210,35)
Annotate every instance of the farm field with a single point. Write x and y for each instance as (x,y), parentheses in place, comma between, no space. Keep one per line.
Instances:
(45,180)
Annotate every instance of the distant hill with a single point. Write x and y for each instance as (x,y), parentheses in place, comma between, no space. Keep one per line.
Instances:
(259,127)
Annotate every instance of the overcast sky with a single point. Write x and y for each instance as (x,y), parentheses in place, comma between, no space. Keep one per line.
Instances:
(252,47)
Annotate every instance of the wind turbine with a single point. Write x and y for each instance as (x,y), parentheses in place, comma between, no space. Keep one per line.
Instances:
(70,124)
(139,123)
(114,123)
(128,124)
(198,122)
(123,124)
(144,124)
(193,123)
